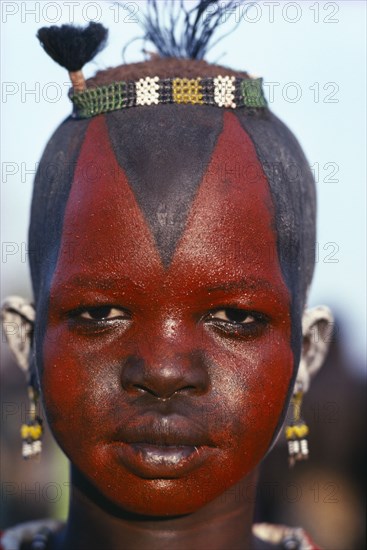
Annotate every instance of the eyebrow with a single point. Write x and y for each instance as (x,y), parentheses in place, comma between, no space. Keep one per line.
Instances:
(102,283)
(247,283)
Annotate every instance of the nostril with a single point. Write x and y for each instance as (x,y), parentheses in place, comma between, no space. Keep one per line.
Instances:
(185,389)
(145,389)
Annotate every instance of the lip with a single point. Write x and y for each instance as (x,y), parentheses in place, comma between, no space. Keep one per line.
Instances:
(161,461)
(162,446)
(167,430)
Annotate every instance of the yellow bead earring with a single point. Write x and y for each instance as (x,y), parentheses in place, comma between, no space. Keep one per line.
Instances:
(297,431)
(32,430)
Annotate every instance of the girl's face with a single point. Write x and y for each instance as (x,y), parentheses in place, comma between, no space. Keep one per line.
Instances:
(165,384)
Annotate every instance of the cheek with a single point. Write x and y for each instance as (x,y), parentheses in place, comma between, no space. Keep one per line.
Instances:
(78,382)
(251,383)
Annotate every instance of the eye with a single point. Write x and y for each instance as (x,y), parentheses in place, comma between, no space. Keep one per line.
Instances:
(103,313)
(232,315)
(97,318)
(237,322)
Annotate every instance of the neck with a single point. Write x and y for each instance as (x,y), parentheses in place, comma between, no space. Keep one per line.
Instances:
(221,524)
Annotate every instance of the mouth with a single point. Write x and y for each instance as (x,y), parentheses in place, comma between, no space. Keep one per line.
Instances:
(161,461)
(162,447)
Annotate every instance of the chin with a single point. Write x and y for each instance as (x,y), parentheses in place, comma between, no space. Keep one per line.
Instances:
(154,497)
(161,497)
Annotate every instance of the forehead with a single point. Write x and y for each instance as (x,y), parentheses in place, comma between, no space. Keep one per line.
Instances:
(182,216)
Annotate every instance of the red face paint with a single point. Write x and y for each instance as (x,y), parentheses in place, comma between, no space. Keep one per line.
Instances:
(171,401)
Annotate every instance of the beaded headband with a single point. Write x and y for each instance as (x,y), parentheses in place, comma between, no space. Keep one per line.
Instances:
(221,91)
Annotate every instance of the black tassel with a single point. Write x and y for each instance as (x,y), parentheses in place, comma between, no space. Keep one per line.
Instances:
(177,31)
(71,46)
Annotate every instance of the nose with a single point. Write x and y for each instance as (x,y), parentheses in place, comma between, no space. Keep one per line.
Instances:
(164,377)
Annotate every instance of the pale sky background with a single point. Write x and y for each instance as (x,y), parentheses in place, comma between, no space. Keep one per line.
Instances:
(313,53)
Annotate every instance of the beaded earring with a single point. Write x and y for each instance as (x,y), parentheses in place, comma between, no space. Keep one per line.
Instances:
(32,430)
(297,431)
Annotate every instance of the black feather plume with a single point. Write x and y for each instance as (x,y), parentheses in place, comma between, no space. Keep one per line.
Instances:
(72,46)
(177,31)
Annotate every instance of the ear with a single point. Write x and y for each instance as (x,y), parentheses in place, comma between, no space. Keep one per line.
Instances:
(317,328)
(18,317)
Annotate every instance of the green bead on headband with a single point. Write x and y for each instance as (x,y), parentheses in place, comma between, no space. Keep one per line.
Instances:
(221,91)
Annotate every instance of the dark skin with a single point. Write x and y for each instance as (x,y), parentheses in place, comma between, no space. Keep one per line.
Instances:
(165,385)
